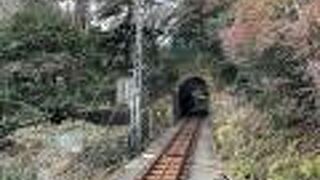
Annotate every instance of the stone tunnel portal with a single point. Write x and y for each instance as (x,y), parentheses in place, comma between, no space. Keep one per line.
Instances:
(192,98)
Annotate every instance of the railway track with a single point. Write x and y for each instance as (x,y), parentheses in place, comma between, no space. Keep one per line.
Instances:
(171,164)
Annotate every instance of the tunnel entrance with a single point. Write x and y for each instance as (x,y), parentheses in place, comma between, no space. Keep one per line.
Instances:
(193,98)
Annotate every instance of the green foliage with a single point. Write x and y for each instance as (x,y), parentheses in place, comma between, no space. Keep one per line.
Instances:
(226,72)
(276,82)
(49,67)
(295,168)
(16,173)
(252,149)
(38,29)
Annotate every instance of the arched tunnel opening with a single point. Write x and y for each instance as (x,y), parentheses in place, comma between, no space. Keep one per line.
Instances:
(193,98)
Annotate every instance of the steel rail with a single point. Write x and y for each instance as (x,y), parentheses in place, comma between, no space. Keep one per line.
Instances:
(171,164)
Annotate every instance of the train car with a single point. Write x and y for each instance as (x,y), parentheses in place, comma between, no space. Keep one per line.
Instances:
(200,103)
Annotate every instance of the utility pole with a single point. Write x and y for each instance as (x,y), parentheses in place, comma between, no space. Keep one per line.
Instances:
(6,100)
(135,134)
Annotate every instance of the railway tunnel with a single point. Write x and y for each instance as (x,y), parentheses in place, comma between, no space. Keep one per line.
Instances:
(192,98)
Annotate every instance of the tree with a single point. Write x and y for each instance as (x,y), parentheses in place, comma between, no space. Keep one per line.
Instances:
(81,14)
(274,42)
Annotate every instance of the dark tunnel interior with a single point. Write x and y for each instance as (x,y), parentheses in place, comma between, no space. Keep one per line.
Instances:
(193,98)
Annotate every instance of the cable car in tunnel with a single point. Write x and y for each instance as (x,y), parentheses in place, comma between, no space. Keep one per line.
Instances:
(200,103)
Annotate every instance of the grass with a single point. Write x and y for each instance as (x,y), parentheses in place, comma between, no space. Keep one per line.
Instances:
(252,150)
(72,150)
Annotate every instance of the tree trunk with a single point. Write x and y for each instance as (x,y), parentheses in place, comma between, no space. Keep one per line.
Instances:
(81,19)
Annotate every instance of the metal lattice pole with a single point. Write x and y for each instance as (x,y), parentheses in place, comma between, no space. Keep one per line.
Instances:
(135,137)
